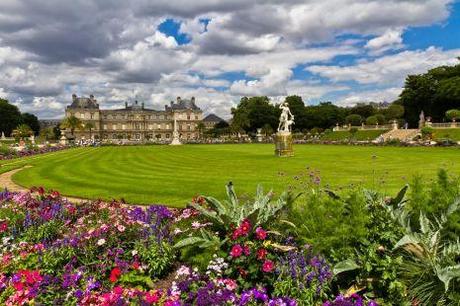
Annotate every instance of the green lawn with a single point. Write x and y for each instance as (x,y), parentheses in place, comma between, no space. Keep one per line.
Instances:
(360,135)
(174,174)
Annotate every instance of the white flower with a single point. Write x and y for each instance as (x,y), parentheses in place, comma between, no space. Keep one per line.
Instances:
(134,252)
(101,241)
(121,228)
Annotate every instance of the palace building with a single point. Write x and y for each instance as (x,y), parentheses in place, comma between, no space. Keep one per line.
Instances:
(134,122)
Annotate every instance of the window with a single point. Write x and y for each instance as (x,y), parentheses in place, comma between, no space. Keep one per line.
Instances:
(105,126)
(82,116)
(196,117)
(188,117)
(167,135)
(123,126)
(159,126)
(167,126)
(150,126)
(114,126)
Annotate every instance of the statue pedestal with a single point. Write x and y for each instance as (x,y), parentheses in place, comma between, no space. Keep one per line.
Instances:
(283,144)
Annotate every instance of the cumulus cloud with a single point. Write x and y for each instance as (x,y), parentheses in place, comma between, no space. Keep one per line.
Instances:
(114,50)
(390,69)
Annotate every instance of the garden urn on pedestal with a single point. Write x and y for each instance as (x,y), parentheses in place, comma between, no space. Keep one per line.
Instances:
(283,138)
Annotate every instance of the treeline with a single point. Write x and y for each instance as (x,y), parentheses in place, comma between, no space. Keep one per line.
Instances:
(436,93)
(258,112)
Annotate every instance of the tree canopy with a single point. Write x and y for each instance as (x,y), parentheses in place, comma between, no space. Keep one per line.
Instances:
(10,117)
(434,92)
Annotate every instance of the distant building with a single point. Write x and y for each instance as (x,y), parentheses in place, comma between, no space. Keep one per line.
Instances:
(211,120)
(135,122)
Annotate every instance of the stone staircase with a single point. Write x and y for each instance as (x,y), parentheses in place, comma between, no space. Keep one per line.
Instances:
(402,135)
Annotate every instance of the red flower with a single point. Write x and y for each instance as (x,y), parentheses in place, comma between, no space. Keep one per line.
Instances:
(261,234)
(236,251)
(268,266)
(261,254)
(136,265)
(245,227)
(3,227)
(115,274)
(236,234)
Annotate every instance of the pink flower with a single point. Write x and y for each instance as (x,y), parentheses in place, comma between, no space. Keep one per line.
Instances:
(121,228)
(261,254)
(117,290)
(236,251)
(245,227)
(268,266)
(261,234)
(152,297)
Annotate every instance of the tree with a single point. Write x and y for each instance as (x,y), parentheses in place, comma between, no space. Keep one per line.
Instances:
(453,114)
(364,110)
(434,92)
(354,119)
(89,126)
(47,133)
(22,131)
(375,119)
(10,117)
(32,121)
(394,111)
(253,113)
(267,129)
(297,107)
(72,123)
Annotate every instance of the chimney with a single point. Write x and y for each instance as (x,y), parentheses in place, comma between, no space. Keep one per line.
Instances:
(126,104)
(91,97)
(142,105)
(135,102)
(193,99)
(74,97)
(178,99)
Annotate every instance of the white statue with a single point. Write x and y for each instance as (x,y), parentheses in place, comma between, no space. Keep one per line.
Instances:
(3,136)
(176,139)
(286,118)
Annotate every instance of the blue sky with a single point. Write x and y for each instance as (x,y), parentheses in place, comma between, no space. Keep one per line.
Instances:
(344,51)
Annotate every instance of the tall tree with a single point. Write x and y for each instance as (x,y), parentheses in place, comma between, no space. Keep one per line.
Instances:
(89,126)
(10,117)
(253,113)
(32,121)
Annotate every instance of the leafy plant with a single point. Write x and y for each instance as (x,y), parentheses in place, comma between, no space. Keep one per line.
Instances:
(431,268)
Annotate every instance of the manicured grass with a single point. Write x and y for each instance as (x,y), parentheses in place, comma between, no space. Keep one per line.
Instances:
(453,134)
(360,135)
(173,175)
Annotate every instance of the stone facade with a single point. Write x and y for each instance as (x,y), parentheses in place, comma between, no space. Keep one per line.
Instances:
(135,123)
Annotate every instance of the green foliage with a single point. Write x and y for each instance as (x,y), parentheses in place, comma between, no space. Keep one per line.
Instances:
(354,119)
(253,113)
(10,117)
(434,92)
(158,256)
(431,268)
(427,132)
(22,131)
(73,123)
(32,121)
(394,111)
(359,135)
(45,232)
(453,114)
(375,119)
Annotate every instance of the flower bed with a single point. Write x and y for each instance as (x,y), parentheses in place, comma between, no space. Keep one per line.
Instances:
(30,151)
(54,252)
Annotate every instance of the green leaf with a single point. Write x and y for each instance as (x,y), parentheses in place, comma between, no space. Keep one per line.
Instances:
(188,241)
(407,239)
(344,266)
(398,200)
(447,274)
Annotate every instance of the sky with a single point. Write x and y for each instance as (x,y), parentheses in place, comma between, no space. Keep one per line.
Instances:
(344,51)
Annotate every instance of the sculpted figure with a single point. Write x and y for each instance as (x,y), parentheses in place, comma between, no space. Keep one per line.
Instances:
(286,118)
